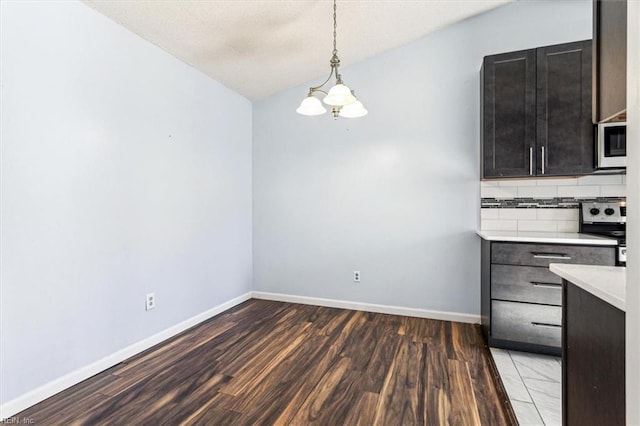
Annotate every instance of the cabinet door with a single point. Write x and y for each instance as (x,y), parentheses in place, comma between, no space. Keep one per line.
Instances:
(508,104)
(565,133)
(610,58)
(528,284)
(541,255)
(526,323)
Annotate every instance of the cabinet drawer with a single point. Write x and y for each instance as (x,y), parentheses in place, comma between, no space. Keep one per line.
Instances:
(544,254)
(527,323)
(531,284)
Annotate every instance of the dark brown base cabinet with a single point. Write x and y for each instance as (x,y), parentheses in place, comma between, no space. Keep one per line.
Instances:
(521,300)
(593,357)
(536,112)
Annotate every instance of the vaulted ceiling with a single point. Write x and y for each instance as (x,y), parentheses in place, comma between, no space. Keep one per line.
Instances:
(259,47)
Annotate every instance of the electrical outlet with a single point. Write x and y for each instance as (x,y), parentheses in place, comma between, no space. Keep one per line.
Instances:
(356,276)
(151,301)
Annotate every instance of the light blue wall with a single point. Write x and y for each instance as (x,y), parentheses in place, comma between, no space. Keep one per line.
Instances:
(124,171)
(394,195)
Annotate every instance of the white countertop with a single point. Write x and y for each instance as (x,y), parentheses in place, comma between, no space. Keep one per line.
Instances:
(606,282)
(547,237)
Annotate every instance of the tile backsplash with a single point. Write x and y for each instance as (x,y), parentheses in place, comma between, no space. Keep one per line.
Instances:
(547,205)
(534,219)
(581,187)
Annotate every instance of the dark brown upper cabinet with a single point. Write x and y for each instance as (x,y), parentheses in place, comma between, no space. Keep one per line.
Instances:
(536,112)
(508,114)
(609,60)
(564,131)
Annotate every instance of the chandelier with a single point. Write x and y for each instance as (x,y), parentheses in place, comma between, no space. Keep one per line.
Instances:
(340,98)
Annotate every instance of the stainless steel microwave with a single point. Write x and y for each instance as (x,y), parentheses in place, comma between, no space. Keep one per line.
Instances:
(612,145)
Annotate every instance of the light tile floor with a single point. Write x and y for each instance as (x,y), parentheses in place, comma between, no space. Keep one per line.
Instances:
(533,384)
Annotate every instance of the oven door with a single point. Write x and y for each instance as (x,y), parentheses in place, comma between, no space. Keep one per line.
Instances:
(612,145)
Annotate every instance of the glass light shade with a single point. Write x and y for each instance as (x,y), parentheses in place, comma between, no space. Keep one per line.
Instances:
(311,106)
(353,110)
(339,95)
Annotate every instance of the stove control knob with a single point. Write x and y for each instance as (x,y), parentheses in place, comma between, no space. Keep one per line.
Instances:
(594,211)
(609,211)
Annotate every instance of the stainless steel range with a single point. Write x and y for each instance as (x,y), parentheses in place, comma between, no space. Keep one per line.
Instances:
(606,220)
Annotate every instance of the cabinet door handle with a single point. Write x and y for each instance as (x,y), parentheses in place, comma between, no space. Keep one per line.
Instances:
(531,160)
(551,256)
(546,285)
(543,324)
(543,160)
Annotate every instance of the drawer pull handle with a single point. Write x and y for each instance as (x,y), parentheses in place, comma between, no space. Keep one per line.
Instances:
(543,324)
(547,285)
(551,256)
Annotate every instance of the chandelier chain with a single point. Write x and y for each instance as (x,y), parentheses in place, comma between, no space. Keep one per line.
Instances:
(335,29)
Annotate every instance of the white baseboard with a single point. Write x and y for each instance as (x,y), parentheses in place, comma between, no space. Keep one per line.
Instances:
(49,389)
(369,307)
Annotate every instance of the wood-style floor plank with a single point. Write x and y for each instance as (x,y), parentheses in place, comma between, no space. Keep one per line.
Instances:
(401,398)
(273,363)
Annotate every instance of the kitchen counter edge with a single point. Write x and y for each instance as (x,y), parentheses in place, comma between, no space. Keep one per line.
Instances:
(605,282)
(547,237)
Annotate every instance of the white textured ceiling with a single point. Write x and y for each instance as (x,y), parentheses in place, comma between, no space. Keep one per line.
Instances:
(259,47)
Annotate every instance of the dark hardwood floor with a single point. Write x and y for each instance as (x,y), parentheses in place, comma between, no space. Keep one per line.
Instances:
(279,363)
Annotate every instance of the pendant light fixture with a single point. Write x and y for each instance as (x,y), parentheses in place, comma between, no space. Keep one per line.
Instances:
(340,98)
